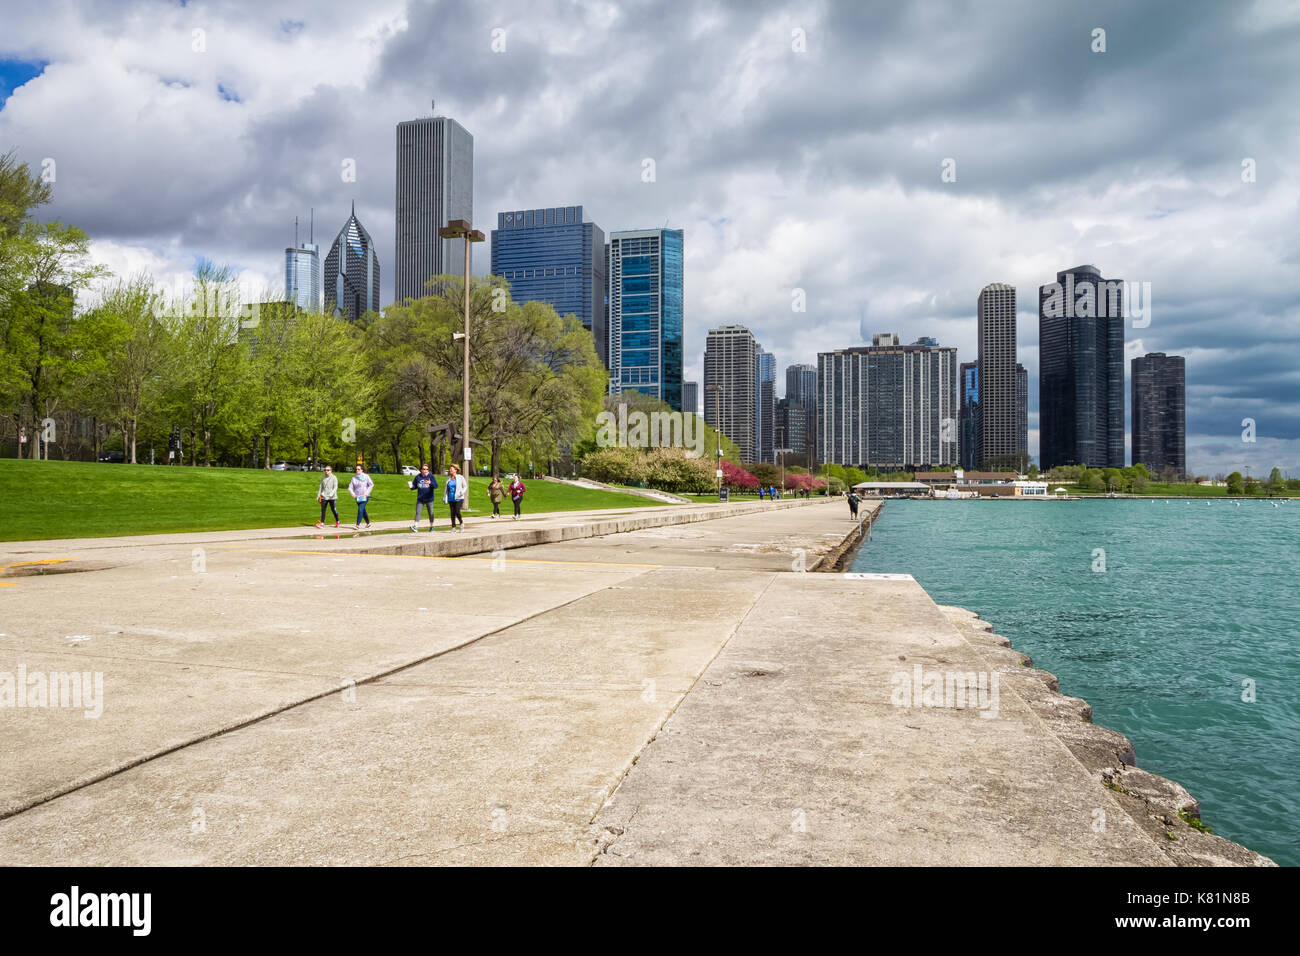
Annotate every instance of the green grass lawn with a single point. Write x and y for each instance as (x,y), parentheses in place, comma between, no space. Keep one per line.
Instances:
(73,499)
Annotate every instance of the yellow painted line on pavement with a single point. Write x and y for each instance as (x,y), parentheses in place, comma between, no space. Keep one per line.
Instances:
(440,557)
(23,564)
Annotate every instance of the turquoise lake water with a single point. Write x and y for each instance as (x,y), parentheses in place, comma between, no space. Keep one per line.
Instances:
(1195,599)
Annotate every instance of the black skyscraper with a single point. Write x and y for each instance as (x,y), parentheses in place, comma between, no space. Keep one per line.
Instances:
(1160,412)
(1081,370)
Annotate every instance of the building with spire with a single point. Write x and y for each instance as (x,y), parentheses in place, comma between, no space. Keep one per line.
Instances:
(302,275)
(351,281)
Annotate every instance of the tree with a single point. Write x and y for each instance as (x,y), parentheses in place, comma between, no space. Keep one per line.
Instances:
(767,474)
(733,476)
(1276,482)
(1033,472)
(133,343)
(43,340)
(1235,484)
(329,390)
(209,367)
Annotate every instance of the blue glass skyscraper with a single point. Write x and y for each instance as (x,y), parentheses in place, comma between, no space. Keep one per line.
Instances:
(645,313)
(551,255)
(765,405)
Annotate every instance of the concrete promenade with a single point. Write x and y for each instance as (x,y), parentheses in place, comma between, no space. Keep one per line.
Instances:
(652,686)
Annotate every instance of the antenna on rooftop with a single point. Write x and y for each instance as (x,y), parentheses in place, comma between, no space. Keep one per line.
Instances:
(311,234)
(295,232)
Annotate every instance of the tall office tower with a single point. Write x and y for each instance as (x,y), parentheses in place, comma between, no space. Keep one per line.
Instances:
(645,313)
(1022,410)
(435,184)
(801,390)
(730,369)
(351,281)
(1160,412)
(888,405)
(1081,370)
(552,255)
(765,402)
(969,416)
(997,378)
(302,272)
(791,426)
(691,397)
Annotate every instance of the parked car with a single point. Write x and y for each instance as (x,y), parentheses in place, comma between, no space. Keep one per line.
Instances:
(410,470)
(116,457)
(282,466)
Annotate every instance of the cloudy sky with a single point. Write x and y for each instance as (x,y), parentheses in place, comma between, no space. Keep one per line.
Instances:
(799,145)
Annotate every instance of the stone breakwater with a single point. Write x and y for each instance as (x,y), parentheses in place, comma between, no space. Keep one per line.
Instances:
(1162,808)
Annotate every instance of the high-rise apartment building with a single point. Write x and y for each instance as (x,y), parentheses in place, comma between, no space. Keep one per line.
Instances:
(765,405)
(644,276)
(1022,411)
(435,184)
(801,390)
(552,255)
(998,418)
(351,281)
(888,405)
(791,427)
(730,374)
(1081,370)
(691,397)
(969,415)
(1160,412)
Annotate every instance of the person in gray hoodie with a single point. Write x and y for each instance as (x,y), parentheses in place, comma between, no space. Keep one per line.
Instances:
(328,496)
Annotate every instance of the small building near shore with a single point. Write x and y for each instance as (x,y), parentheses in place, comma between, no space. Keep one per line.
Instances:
(893,489)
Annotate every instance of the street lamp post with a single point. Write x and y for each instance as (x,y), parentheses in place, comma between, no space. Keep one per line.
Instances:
(783,451)
(456,228)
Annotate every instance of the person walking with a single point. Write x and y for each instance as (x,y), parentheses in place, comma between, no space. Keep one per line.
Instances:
(425,484)
(516,495)
(457,492)
(328,495)
(853,504)
(360,488)
(495,494)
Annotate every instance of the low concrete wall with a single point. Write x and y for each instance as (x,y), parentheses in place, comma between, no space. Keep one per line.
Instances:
(452,546)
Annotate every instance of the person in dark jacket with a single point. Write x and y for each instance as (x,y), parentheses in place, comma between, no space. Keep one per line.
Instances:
(853,504)
(494,495)
(425,485)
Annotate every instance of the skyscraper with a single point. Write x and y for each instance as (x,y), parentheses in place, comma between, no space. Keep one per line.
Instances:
(435,184)
(888,405)
(969,417)
(646,313)
(551,255)
(302,274)
(691,397)
(351,281)
(1022,411)
(765,402)
(801,390)
(791,428)
(1081,370)
(730,373)
(1160,412)
(998,417)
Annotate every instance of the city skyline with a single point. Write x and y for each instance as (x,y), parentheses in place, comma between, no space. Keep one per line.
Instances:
(1164,197)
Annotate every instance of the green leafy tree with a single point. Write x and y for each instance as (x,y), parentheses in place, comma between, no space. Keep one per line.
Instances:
(1236,486)
(43,339)
(132,343)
